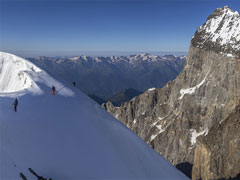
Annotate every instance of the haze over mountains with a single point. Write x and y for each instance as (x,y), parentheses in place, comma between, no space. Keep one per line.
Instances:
(189,115)
(194,120)
(105,76)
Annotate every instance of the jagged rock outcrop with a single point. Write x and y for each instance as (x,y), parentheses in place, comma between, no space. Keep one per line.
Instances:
(217,155)
(207,90)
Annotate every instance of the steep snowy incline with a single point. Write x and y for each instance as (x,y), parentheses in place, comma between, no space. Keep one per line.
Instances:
(70,137)
(221,32)
(20,75)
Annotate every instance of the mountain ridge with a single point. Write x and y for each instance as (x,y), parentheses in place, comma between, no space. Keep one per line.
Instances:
(170,119)
(68,137)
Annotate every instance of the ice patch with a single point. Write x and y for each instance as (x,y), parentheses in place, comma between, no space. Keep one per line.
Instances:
(134,121)
(151,89)
(191,90)
(195,134)
(230,55)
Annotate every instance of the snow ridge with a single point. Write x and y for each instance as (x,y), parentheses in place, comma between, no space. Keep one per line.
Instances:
(18,75)
(70,137)
(223,28)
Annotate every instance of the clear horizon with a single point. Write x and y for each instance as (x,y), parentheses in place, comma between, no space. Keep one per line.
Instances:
(31,28)
(93,53)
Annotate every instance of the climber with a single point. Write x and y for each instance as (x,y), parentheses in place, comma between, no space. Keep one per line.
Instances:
(53,90)
(35,174)
(15,104)
(74,83)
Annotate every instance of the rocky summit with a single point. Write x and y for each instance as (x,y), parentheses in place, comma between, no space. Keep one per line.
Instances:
(188,120)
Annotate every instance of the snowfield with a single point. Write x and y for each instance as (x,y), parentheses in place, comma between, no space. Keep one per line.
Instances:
(66,136)
(223,29)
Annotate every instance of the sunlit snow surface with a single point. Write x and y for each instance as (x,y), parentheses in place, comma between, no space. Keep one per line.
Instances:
(223,29)
(67,137)
(19,76)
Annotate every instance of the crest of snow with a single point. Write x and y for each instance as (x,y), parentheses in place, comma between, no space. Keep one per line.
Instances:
(183,57)
(191,90)
(195,134)
(18,76)
(84,57)
(98,60)
(151,89)
(74,58)
(223,29)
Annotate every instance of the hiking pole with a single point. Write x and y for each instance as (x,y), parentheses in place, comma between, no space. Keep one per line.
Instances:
(60,89)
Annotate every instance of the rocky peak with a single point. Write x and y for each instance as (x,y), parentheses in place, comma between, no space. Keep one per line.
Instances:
(172,118)
(220,33)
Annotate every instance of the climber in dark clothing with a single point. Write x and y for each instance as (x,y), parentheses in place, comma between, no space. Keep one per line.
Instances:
(53,90)
(74,83)
(15,104)
(39,177)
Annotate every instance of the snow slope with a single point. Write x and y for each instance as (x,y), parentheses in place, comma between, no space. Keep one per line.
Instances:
(222,27)
(66,136)
(20,75)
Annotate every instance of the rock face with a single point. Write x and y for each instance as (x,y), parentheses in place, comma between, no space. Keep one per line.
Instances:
(171,118)
(217,155)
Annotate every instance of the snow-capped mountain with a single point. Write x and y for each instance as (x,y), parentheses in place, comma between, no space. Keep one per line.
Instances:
(132,59)
(191,107)
(67,135)
(20,75)
(220,32)
(106,76)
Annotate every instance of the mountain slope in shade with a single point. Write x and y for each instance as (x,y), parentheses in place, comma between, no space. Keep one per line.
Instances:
(67,136)
(97,99)
(124,96)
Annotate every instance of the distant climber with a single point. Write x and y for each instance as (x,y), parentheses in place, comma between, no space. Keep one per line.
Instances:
(39,177)
(15,104)
(22,176)
(74,83)
(53,90)
(35,174)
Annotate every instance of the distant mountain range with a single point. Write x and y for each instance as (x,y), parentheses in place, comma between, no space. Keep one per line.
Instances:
(105,76)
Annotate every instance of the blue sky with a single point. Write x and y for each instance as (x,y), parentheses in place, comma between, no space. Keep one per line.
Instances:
(101,27)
